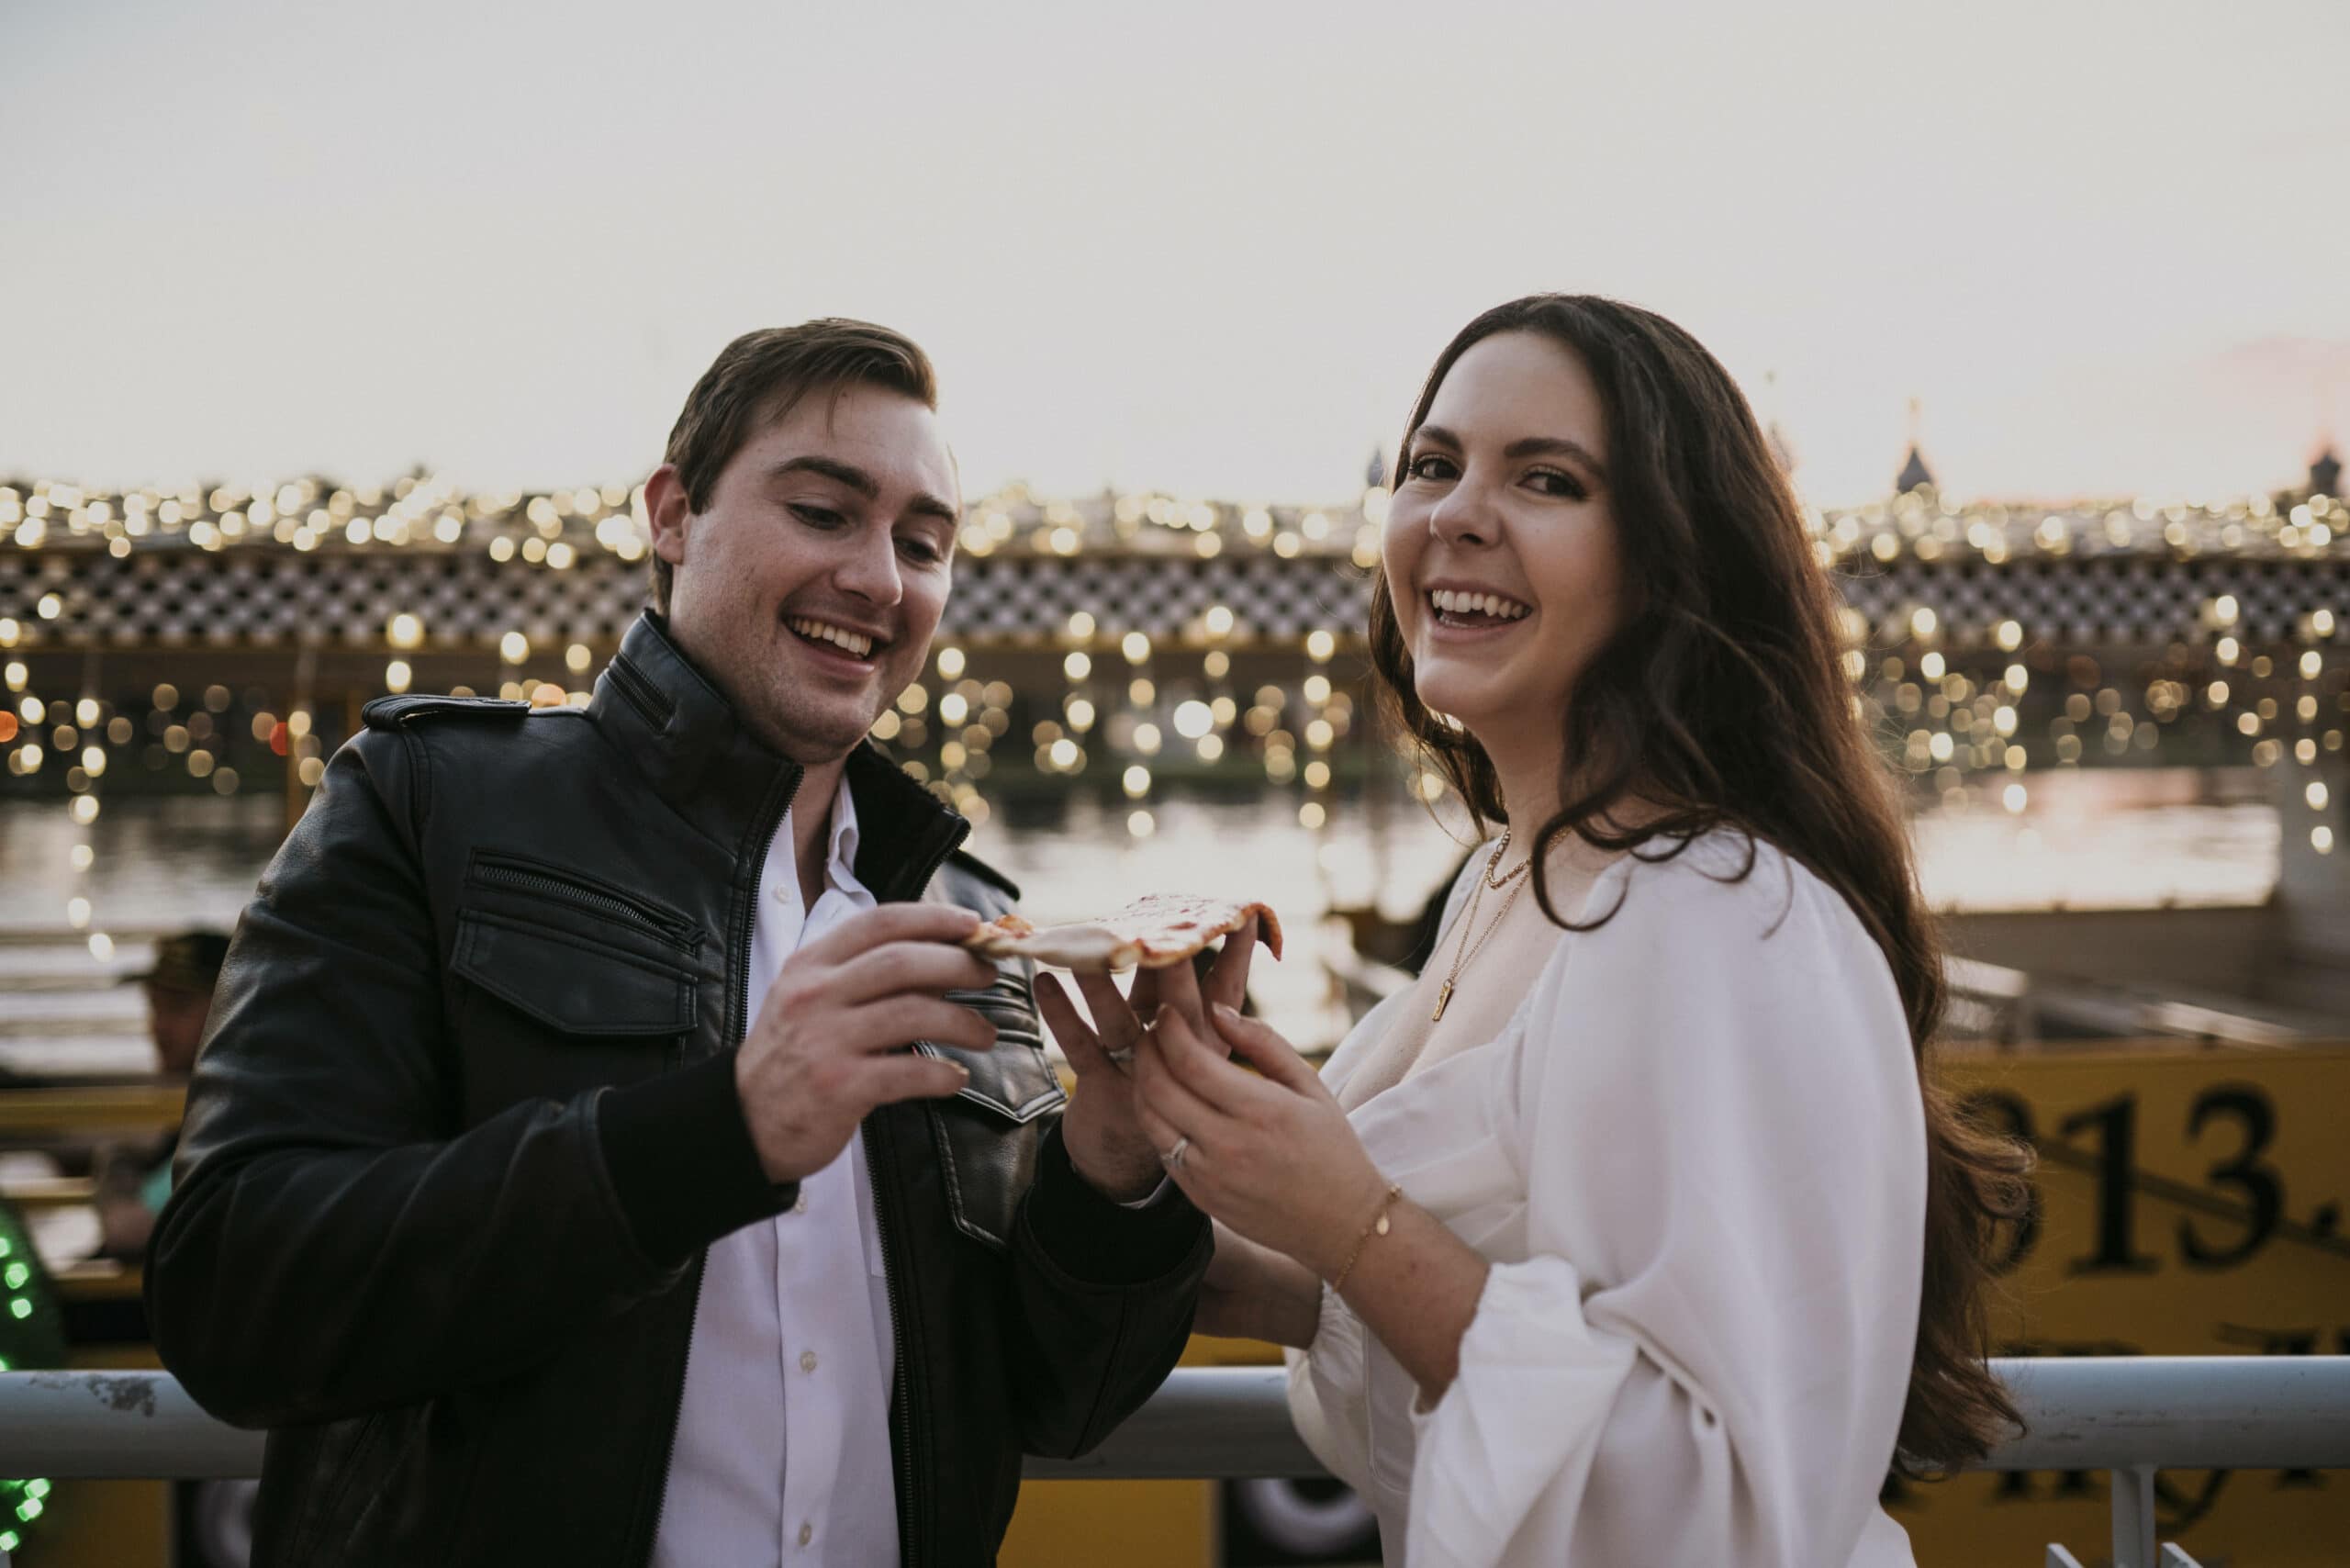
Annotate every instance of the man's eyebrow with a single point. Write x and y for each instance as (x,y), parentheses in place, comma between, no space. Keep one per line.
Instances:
(924,503)
(848,474)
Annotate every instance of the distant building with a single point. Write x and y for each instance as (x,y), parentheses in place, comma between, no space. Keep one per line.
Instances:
(2325,473)
(1914,475)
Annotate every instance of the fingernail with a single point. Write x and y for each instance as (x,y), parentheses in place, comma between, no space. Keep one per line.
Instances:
(1226,1010)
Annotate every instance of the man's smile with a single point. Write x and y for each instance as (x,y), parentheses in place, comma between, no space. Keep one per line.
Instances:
(856,643)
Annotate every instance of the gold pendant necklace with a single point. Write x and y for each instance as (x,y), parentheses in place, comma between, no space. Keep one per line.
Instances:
(1464,951)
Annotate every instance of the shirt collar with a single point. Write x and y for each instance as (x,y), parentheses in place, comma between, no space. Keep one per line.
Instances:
(840,868)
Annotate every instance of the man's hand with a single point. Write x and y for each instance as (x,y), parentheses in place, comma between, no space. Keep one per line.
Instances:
(1105,1140)
(828,1045)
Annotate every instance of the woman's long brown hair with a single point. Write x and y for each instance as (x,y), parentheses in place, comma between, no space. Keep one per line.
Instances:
(1719,702)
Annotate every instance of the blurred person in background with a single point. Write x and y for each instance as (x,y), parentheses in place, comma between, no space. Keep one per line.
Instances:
(134,1182)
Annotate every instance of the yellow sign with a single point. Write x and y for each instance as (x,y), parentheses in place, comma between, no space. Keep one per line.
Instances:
(2189,1204)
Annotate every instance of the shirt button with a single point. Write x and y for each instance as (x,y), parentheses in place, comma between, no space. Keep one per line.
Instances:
(799,1205)
(807,1534)
(807,1360)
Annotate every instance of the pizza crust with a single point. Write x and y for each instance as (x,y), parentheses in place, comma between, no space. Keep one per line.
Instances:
(1151,933)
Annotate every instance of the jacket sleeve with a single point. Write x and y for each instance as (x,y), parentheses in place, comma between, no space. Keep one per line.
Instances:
(1105,1296)
(336,1241)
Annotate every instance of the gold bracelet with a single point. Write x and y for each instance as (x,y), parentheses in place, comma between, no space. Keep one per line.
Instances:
(1378,1227)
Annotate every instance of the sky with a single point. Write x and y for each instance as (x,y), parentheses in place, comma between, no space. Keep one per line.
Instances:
(1202,249)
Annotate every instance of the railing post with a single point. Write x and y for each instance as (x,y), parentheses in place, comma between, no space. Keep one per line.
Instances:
(2133,1517)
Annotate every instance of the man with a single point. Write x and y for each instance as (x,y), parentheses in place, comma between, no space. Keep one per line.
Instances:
(483,1213)
(179,993)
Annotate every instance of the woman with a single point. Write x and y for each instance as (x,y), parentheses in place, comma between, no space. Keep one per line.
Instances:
(1632,1233)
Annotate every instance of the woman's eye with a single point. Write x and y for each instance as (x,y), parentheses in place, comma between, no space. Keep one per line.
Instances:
(816,517)
(1430,465)
(923,550)
(1551,482)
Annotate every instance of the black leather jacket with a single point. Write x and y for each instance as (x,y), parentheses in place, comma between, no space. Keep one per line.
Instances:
(465,1122)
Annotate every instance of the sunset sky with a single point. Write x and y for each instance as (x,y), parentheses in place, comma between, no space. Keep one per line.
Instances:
(1202,248)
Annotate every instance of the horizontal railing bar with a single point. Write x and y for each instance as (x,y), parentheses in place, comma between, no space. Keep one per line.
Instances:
(1204,1423)
(2179,1413)
(1212,1423)
(126,1425)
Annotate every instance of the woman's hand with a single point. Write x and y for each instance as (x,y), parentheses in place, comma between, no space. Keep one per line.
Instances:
(1269,1153)
(1106,1143)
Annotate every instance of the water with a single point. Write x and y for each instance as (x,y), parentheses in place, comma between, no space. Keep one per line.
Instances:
(2086,840)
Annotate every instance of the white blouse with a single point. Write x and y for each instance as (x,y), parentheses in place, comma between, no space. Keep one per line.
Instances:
(1696,1160)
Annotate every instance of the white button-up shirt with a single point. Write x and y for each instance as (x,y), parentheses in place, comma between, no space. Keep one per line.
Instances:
(782,1454)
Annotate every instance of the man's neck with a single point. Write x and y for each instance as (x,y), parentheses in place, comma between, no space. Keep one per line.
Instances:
(811,826)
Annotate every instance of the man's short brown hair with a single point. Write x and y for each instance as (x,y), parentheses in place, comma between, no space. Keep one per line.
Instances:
(760,377)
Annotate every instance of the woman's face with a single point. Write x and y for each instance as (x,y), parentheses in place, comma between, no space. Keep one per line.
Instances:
(1500,546)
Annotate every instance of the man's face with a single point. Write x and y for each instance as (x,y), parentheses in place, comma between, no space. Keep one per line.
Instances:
(175,1020)
(809,587)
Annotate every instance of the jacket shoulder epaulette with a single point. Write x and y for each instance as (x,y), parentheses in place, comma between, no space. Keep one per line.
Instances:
(390,712)
(966,861)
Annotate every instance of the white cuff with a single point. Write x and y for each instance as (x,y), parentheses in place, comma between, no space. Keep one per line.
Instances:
(1156,1194)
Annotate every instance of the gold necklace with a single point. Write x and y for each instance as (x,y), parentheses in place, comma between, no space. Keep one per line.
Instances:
(1465,951)
(1501,847)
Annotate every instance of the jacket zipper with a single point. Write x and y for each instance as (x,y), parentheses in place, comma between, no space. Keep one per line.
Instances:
(881,1148)
(676,933)
(738,1005)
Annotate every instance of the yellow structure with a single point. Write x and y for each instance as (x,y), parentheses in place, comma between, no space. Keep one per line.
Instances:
(2191,1202)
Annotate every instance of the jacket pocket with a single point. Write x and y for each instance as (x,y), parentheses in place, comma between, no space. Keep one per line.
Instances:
(988,1134)
(511,881)
(1013,1080)
(571,983)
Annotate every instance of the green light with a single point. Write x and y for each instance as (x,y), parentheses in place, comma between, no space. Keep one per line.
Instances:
(4,1363)
(16,1275)
(8,1540)
(30,1510)
(36,1488)
(21,1307)
(4,1248)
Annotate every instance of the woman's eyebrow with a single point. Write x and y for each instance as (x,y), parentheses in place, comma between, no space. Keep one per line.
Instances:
(1554,446)
(1527,446)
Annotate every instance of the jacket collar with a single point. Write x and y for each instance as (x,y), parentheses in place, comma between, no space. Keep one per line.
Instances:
(698,755)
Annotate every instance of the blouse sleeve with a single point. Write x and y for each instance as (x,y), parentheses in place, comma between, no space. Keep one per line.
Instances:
(1704,1357)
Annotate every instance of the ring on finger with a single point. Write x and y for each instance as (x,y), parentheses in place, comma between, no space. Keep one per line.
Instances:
(1174,1157)
(1119,1058)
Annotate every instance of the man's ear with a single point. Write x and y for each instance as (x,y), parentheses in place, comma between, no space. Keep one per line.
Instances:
(667,512)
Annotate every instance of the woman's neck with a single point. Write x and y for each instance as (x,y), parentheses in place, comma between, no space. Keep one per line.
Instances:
(1529,779)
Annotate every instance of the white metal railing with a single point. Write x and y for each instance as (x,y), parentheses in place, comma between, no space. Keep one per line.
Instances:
(2131,1415)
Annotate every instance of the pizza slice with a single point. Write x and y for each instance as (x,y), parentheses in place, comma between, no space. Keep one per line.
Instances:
(1152,932)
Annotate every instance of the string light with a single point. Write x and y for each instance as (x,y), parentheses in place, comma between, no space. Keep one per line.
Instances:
(1975,699)
(31,1336)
